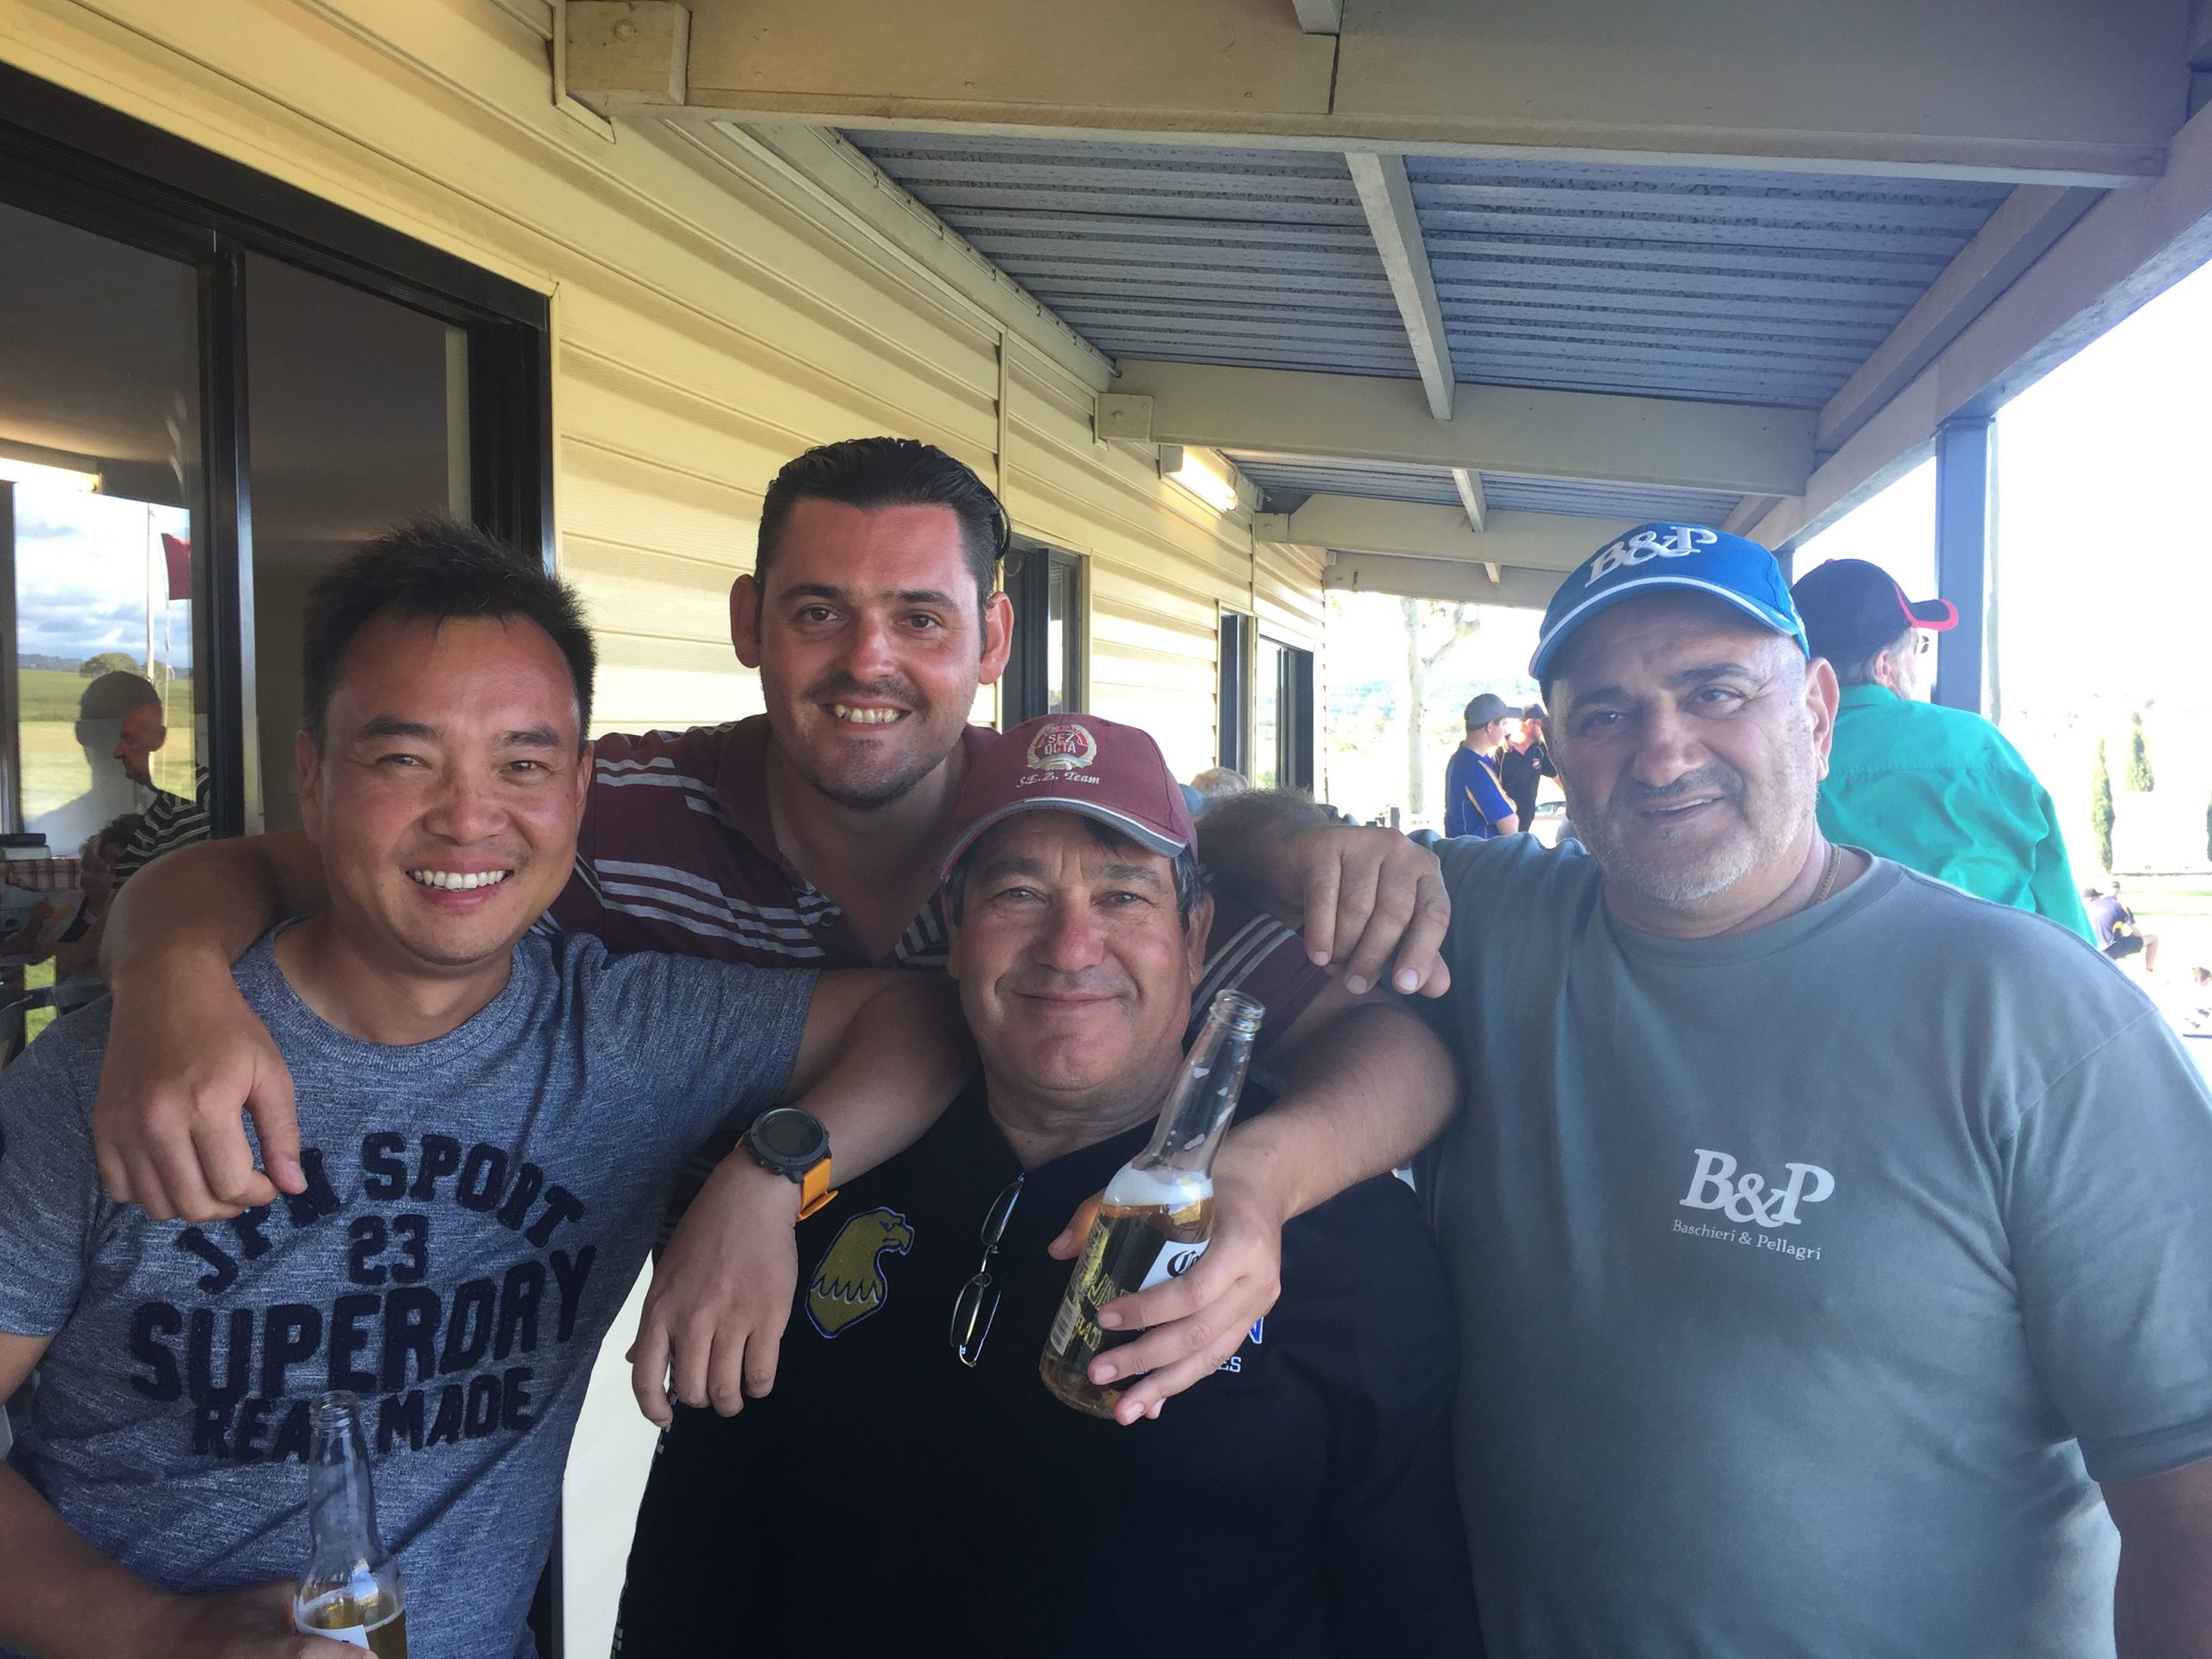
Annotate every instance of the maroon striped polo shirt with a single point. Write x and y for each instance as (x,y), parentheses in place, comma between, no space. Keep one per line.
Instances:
(676,853)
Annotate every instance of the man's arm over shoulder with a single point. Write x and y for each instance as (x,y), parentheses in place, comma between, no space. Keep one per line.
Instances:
(1367,898)
(167,1125)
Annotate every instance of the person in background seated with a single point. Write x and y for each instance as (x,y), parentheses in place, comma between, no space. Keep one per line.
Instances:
(2116,932)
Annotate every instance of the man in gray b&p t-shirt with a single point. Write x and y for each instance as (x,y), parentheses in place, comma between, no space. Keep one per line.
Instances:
(491,1122)
(1830,1248)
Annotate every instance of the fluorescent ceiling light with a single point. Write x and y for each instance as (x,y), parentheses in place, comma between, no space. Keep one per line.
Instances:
(1197,471)
(58,478)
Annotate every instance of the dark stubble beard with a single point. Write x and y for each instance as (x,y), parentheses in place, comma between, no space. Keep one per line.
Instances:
(896,778)
(1770,819)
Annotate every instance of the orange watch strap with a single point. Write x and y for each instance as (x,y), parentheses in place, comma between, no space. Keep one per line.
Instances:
(814,1189)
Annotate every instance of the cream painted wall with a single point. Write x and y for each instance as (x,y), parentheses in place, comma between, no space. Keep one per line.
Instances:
(713,315)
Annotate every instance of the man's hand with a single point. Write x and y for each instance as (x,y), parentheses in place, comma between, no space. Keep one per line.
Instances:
(1194,1323)
(253,1624)
(1365,893)
(186,1057)
(721,1294)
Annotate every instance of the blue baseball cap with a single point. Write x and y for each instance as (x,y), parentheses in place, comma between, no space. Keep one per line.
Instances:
(1656,555)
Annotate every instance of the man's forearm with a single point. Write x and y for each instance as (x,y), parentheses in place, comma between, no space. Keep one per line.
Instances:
(1370,1088)
(59,1597)
(215,898)
(901,1057)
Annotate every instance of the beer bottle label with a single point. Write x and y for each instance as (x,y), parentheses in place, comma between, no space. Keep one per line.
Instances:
(1173,1261)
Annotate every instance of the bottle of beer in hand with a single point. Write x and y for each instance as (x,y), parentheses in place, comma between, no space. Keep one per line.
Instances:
(350,1591)
(1157,1214)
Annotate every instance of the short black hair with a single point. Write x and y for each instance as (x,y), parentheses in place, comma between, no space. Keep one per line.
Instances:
(1189,884)
(876,473)
(436,570)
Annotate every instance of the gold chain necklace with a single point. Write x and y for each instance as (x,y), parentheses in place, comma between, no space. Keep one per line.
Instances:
(1827,878)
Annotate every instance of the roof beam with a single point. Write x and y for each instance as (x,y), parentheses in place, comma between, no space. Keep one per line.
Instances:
(1319,16)
(2080,94)
(1469,483)
(2129,247)
(1744,450)
(627,51)
(2018,234)
(1357,524)
(1446,579)
(1387,197)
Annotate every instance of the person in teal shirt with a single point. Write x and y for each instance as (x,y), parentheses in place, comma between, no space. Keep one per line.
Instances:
(1938,790)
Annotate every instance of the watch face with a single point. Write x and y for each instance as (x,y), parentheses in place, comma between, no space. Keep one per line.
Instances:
(790,1135)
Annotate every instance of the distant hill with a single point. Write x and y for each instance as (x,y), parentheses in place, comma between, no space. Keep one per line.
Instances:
(33,659)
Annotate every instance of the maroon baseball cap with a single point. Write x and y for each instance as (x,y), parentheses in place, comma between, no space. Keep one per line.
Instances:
(1075,763)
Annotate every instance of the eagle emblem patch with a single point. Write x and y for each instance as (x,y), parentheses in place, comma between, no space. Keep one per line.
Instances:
(849,1286)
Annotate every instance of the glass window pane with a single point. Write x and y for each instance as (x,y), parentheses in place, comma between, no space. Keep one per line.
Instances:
(358,419)
(1059,653)
(100,457)
(1267,736)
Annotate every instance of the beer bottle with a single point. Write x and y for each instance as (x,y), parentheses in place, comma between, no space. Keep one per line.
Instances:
(1157,1213)
(350,1591)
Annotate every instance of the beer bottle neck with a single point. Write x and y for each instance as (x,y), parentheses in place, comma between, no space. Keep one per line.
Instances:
(341,1499)
(1198,1109)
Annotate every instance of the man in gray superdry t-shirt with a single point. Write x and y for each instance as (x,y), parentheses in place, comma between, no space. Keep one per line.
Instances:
(1832,1250)
(491,1122)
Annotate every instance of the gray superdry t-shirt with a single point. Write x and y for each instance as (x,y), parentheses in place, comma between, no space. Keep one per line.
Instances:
(477,1210)
(1801,1273)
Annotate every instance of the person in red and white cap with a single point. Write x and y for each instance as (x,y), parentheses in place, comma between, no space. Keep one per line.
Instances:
(909,1439)
(1938,790)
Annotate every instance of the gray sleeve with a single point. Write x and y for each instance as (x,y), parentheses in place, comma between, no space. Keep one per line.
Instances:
(708,1041)
(2107,1201)
(49,1188)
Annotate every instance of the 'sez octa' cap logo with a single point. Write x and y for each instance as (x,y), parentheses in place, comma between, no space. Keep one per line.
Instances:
(1064,746)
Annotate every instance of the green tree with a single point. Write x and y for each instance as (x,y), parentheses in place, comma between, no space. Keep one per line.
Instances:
(108,662)
(2100,813)
(2139,757)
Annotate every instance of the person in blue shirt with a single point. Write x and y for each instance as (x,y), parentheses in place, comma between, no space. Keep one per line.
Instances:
(1475,801)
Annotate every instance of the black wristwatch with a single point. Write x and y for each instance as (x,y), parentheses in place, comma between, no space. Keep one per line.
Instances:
(793,1144)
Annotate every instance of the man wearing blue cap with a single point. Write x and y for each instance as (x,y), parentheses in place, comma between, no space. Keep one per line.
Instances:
(1829,1245)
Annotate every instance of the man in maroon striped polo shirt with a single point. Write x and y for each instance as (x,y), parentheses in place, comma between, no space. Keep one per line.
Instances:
(809,835)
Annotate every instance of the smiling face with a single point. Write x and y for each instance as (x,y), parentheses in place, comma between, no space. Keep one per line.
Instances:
(1691,744)
(871,641)
(1075,971)
(448,793)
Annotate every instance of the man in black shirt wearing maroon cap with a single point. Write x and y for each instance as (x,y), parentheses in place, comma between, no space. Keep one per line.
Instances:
(910,1485)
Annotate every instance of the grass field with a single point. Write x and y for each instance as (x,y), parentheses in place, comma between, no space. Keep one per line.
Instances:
(53,765)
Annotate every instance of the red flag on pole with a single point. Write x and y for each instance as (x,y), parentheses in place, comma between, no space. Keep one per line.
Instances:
(178,551)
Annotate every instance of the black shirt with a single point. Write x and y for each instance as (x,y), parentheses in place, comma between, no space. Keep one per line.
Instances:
(1517,772)
(885,1498)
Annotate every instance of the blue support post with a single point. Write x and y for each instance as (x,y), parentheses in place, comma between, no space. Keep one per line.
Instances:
(1963,517)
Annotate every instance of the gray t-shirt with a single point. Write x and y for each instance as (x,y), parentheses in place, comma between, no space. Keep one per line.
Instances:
(1801,1272)
(478,1208)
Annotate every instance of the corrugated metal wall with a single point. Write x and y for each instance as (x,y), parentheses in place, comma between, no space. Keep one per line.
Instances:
(711,319)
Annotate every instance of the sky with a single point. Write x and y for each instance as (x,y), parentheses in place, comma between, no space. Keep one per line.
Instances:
(82,570)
